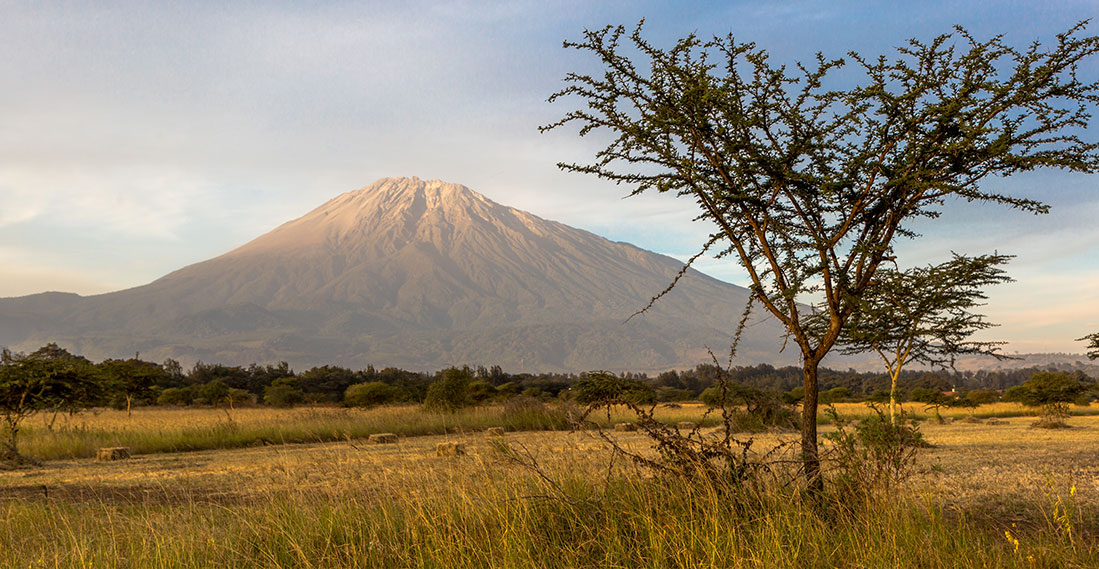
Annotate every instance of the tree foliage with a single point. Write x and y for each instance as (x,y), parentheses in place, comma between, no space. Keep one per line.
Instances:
(1050,392)
(450,391)
(49,378)
(604,387)
(132,378)
(809,183)
(371,394)
(924,315)
(283,392)
(1093,345)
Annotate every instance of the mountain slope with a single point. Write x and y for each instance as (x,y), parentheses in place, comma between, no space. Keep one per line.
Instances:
(413,273)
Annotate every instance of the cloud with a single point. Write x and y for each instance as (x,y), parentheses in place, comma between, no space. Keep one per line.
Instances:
(133,202)
(140,138)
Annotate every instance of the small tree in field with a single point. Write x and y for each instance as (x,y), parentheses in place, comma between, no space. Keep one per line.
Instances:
(31,383)
(450,390)
(924,315)
(1051,392)
(132,378)
(810,179)
(1093,345)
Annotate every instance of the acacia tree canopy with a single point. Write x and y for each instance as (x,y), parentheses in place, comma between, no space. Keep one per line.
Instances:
(924,315)
(49,378)
(809,182)
(1093,345)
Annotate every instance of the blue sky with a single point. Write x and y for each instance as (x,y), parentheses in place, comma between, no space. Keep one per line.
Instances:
(139,138)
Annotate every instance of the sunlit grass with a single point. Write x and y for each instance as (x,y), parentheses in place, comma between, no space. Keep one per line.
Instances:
(344,505)
(163,429)
(153,430)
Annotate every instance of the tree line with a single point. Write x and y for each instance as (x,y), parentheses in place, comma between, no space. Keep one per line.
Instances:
(51,379)
(74,381)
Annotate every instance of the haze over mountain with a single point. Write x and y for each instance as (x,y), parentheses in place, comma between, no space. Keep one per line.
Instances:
(416,274)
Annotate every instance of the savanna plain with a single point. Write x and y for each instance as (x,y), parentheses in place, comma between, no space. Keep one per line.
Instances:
(262,487)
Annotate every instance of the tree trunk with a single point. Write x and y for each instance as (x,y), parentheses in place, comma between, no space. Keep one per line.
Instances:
(809,452)
(10,451)
(129,401)
(893,398)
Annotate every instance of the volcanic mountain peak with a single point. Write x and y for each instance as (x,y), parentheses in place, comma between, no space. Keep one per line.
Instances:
(415,273)
(386,216)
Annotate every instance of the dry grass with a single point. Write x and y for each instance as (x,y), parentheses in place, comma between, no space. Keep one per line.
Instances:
(159,429)
(967,461)
(348,504)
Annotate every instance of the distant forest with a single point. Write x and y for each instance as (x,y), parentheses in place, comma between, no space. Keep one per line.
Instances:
(133,382)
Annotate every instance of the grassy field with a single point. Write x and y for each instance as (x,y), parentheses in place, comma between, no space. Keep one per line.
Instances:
(986,495)
(166,429)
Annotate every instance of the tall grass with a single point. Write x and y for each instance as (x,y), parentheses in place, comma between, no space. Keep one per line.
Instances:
(354,506)
(624,521)
(154,430)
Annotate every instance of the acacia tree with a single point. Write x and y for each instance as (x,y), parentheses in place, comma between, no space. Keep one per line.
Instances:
(809,184)
(1051,392)
(132,378)
(45,379)
(1093,345)
(924,315)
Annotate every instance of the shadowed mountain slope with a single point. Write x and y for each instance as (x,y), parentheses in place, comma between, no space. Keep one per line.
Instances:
(411,273)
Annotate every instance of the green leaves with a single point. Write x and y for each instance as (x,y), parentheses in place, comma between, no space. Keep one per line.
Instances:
(49,378)
(1093,345)
(925,314)
(810,177)
(604,388)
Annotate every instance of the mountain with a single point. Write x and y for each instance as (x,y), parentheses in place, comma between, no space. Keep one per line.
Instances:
(415,274)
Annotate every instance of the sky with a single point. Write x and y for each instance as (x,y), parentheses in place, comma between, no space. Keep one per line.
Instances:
(138,138)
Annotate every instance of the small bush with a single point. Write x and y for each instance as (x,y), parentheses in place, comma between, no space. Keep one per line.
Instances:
(665,394)
(750,409)
(481,391)
(213,392)
(283,392)
(174,396)
(927,395)
(371,394)
(981,397)
(876,454)
(450,391)
(835,395)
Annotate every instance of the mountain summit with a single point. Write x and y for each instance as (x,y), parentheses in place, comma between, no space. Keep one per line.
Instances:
(411,273)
